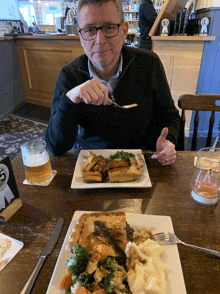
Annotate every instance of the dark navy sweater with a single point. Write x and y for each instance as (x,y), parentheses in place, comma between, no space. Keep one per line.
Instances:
(142,81)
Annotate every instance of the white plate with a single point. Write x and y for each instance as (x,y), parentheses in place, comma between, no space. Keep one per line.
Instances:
(13,247)
(78,183)
(174,274)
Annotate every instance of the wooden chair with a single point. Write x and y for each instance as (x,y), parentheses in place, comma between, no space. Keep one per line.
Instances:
(202,102)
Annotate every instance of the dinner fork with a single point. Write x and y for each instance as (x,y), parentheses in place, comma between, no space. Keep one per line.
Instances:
(172,238)
(124,106)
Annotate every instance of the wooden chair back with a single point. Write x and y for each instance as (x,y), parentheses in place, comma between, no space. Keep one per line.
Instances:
(202,102)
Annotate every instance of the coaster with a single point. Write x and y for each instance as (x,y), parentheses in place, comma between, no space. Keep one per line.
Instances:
(44,184)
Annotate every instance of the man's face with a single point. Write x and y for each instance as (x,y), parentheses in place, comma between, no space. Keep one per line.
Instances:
(103,52)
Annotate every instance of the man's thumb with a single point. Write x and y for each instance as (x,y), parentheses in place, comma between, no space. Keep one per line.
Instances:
(164,133)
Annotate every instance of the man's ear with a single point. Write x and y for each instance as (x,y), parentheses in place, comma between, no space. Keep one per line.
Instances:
(125,30)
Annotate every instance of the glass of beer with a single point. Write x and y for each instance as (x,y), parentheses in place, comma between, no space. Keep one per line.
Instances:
(36,161)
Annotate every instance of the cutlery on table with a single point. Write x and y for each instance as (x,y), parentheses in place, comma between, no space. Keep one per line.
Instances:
(47,250)
(172,238)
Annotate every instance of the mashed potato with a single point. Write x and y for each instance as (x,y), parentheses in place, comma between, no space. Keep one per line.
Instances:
(146,271)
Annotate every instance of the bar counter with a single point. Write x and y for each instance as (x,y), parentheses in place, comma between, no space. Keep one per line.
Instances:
(41,59)
(42,56)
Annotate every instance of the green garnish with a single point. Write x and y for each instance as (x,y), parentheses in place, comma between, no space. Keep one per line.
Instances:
(121,154)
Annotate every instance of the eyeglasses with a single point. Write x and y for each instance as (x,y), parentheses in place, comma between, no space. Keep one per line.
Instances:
(109,31)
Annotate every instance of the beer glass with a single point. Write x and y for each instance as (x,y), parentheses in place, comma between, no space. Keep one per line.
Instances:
(36,161)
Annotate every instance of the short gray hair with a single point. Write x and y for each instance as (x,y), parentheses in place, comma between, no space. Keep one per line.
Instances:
(118,3)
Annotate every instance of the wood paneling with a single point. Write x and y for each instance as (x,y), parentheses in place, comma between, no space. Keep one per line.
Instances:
(167,60)
(41,61)
(181,61)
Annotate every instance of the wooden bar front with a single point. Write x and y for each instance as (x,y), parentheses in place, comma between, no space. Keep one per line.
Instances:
(41,59)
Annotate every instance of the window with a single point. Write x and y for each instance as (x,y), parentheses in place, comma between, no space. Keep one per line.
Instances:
(28,13)
(49,19)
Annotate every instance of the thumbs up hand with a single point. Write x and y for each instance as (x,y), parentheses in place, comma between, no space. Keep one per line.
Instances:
(165,150)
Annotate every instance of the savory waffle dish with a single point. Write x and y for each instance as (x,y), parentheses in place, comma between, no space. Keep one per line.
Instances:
(99,169)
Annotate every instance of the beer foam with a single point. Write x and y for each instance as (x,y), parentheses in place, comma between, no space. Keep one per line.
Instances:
(35,159)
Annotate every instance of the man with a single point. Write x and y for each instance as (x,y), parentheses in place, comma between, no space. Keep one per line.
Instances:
(109,69)
(147,16)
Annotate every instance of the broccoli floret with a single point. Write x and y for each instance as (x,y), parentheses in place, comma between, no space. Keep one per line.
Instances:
(109,263)
(113,282)
(112,265)
(107,282)
(79,261)
(86,278)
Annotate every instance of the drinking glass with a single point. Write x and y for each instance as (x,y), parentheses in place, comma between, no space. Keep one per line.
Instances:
(205,180)
(36,162)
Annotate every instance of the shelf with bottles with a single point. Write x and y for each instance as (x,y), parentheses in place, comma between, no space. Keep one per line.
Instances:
(130,5)
(158,5)
(131,15)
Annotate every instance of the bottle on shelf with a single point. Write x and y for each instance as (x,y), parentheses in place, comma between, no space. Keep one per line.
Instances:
(135,6)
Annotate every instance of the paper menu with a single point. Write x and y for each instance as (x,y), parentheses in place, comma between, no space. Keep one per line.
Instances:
(9,247)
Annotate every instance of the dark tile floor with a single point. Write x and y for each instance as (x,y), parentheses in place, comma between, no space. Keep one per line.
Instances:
(42,115)
(37,113)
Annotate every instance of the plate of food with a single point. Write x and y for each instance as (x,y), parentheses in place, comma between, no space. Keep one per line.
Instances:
(112,252)
(110,168)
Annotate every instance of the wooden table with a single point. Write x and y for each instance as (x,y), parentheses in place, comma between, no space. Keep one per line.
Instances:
(170,195)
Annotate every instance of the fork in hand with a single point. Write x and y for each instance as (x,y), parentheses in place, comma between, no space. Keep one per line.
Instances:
(172,238)
(125,106)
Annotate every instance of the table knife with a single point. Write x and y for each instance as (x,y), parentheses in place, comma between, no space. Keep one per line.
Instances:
(48,250)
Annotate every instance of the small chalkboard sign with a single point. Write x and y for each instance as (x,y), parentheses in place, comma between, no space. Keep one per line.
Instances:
(9,196)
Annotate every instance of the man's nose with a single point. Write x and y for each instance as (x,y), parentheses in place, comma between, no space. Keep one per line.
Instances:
(100,38)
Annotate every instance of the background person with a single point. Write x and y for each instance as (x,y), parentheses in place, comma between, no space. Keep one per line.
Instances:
(110,69)
(147,16)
